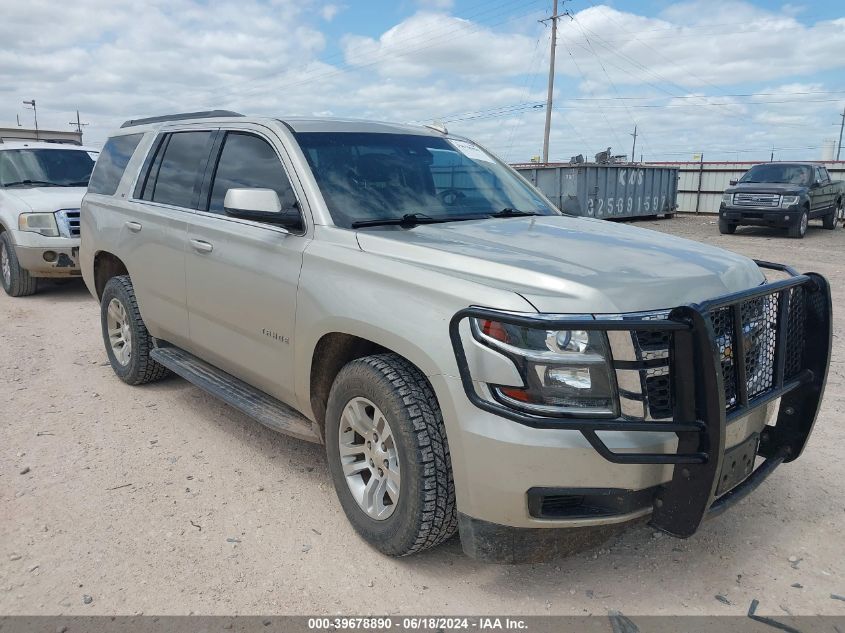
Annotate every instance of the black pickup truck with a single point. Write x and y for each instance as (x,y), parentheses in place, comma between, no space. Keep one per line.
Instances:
(786,195)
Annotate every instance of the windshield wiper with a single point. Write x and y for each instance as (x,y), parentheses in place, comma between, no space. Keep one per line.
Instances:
(78,183)
(412,219)
(39,183)
(508,212)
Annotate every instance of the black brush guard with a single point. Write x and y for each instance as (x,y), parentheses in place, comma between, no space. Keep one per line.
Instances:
(697,376)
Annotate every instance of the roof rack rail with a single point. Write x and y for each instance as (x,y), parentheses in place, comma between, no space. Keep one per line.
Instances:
(208,114)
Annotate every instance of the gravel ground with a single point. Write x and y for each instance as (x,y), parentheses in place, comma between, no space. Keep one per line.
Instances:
(160,499)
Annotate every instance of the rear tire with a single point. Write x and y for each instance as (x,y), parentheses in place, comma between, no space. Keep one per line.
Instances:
(799,229)
(17,282)
(385,396)
(726,228)
(128,343)
(831,220)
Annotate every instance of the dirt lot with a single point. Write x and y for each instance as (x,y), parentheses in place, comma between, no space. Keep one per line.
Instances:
(162,500)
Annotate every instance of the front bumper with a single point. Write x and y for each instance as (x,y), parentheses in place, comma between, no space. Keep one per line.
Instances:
(34,251)
(750,216)
(604,472)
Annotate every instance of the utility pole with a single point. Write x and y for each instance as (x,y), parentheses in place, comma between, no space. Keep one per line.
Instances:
(841,125)
(35,112)
(554,18)
(78,124)
(548,128)
(634,146)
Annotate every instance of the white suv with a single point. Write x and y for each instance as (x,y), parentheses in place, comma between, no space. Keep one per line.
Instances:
(41,188)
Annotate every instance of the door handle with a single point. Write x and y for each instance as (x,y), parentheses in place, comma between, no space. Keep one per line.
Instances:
(201,246)
(133,226)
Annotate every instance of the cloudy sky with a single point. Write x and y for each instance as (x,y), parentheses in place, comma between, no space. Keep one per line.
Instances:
(733,79)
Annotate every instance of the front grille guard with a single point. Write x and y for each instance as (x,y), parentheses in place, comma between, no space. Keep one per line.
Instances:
(700,412)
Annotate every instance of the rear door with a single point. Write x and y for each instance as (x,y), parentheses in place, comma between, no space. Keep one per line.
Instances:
(819,194)
(155,227)
(242,275)
(828,188)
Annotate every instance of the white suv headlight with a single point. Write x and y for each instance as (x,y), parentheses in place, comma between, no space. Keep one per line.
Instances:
(727,198)
(564,372)
(788,201)
(43,223)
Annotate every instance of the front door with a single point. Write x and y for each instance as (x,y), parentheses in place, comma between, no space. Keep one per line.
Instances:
(242,275)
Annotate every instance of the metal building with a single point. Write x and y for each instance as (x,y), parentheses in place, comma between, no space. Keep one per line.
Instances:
(622,190)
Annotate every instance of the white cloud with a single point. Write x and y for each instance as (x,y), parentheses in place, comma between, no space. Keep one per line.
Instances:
(329,11)
(430,42)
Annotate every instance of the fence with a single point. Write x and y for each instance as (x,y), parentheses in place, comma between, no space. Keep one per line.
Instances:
(700,185)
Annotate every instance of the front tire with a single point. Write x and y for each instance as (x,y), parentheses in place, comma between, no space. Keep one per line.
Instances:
(389,457)
(799,229)
(128,343)
(17,282)
(726,228)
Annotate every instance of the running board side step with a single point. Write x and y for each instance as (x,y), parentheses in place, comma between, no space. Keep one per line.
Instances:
(258,405)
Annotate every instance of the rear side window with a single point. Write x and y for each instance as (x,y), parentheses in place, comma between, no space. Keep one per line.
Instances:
(112,163)
(175,175)
(248,161)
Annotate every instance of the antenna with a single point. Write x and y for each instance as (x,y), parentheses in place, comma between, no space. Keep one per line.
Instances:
(35,112)
(78,125)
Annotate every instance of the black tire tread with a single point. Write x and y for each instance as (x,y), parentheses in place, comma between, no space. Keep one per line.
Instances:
(23,284)
(438,520)
(831,220)
(794,231)
(148,370)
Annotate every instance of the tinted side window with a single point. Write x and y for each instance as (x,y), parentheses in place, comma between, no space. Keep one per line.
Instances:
(183,162)
(825,175)
(248,161)
(112,163)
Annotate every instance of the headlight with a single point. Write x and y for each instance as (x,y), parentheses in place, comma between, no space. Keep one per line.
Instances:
(788,201)
(43,223)
(727,198)
(564,372)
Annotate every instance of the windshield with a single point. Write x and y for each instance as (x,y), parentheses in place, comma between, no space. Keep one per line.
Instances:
(45,168)
(372,176)
(786,174)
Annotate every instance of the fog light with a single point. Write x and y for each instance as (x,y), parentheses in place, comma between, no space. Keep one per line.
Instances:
(786,217)
(50,256)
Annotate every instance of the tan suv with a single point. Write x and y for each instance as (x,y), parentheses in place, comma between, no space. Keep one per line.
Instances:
(472,359)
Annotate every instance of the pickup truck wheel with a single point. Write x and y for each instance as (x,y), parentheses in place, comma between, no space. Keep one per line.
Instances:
(17,282)
(726,228)
(799,229)
(831,221)
(128,343)
(388,455)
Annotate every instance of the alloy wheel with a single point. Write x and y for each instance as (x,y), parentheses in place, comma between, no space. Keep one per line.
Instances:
(120,333)
(6,265)
(369,457)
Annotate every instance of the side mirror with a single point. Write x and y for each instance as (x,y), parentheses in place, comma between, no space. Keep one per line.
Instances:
(253,204)
(815,184)
(733,182)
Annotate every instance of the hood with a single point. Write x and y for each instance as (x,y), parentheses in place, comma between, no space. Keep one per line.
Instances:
(571,265)
(783,188)
(47,199)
